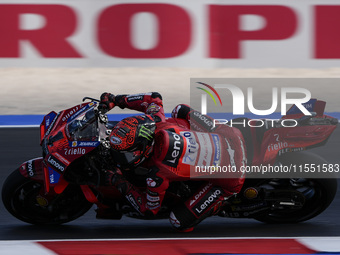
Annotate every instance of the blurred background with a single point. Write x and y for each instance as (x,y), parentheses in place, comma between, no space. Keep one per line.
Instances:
(53,53)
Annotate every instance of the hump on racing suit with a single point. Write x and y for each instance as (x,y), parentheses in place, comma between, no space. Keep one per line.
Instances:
(180,153)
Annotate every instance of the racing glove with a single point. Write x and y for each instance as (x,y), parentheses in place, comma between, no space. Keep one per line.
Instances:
(107,102)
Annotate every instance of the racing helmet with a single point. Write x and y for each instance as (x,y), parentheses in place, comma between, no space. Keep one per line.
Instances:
(131,141)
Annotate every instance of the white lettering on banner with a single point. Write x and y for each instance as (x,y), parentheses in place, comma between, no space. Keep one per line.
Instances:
(206,149)
(179,24)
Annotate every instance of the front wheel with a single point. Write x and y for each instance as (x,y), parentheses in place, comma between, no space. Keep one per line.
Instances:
(24,199)
(318,193)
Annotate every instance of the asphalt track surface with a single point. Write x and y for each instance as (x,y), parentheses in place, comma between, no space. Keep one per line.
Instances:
(21,144)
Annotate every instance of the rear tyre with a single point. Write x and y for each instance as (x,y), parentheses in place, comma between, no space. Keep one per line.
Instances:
(21,197)
(318,193)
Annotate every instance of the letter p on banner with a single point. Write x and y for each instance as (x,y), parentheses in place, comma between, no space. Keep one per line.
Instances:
(226,35)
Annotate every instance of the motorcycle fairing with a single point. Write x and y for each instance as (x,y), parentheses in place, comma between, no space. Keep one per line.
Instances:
(276,140)
(310,106)
(37,170)
(72,134)
(47,124)
(314,106)
(32,169)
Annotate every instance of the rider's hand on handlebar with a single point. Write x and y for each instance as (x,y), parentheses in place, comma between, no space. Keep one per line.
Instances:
(107,102)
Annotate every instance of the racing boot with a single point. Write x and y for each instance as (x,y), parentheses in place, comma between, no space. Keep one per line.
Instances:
(207,201)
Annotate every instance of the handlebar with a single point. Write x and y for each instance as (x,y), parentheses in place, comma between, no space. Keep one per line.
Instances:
(101,112)
(92,99)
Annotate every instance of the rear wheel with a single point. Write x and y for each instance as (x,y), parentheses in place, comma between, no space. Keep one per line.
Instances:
(22,198)
(318,193)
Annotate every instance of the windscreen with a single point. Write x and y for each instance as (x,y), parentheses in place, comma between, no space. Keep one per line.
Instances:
(84,127)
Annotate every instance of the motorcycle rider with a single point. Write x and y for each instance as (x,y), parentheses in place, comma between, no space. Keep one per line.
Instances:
(163,149)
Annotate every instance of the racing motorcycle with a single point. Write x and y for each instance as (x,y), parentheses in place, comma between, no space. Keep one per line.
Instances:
(67,180)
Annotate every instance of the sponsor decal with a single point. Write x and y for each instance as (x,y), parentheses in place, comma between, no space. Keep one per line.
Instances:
(277,146)
(70,113)
(207,201)
(49,118)
(203,120)
(84,144)
(250,193)
(175,149)
(206,151)
(47,121)
(286,150)
(191,149)
(135,98)
(217,153)
(152,205)
(80,111)
(150,182)
(115,140)
(51,125)
(146,133)
(153,108)
(74,151)
(308,105)
(152,198)
(54,176)
(133,202)
(61,158)
(30,168)
(199,194)
(54,162)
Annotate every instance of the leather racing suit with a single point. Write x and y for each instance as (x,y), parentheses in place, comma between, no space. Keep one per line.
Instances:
(176,153)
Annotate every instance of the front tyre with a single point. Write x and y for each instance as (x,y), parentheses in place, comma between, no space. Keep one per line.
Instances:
(23,198)
(318,193)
